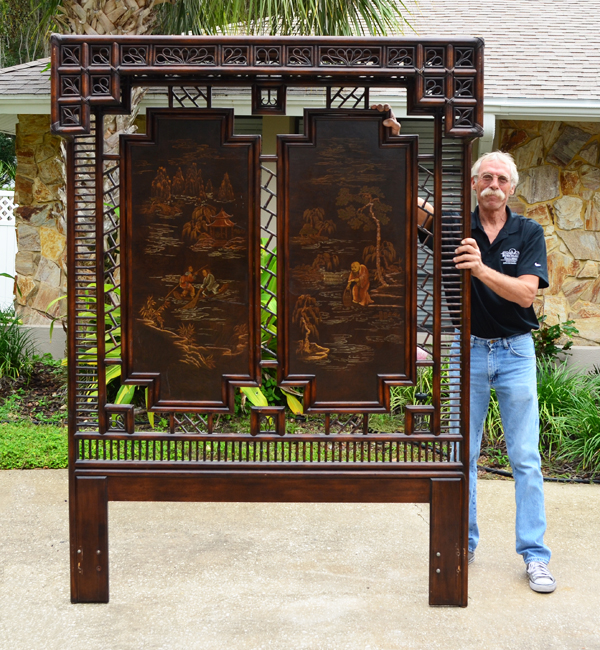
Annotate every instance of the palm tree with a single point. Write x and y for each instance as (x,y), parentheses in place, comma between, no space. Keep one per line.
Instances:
(21,40)
(283,17)
(271,17)
(138,17)
(205,17)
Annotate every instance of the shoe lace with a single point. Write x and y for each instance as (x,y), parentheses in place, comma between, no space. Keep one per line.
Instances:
(538,572)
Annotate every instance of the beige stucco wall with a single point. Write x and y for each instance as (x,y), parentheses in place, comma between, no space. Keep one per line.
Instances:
(559,187)
(41,261)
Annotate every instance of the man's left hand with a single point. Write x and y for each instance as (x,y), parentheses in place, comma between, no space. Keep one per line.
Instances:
(391,121)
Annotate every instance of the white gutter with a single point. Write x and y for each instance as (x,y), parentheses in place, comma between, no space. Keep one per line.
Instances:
(502,107)
(25,105)
(486,142)
(521,108)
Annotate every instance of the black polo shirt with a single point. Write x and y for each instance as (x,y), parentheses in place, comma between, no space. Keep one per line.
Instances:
(519,249)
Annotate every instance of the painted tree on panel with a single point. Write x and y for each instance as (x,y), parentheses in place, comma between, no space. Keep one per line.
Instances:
(365,210)
(308,317)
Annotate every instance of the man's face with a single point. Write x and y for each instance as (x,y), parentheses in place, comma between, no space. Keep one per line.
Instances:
(492,185)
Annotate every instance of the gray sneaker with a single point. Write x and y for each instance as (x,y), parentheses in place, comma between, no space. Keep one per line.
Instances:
(540,578)
(471,557)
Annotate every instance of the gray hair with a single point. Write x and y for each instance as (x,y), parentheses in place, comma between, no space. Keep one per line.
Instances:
(506,158)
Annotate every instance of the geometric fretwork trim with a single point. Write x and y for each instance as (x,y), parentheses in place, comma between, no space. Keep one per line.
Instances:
(100,71)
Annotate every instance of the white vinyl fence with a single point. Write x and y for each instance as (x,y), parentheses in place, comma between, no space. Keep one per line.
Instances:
(8,247)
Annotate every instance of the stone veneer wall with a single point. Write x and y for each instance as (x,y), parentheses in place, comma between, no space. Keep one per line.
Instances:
(559,187)
(41,262)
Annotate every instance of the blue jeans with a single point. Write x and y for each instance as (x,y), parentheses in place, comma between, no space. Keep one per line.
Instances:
(508,366)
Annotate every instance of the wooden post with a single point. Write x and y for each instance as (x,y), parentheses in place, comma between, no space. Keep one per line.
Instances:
(89,550)
(447,544)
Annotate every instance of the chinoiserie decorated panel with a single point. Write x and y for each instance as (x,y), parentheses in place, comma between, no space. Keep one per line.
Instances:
(347,196)
(190,241)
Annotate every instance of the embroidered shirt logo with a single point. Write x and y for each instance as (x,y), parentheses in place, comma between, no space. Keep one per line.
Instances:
(510,256)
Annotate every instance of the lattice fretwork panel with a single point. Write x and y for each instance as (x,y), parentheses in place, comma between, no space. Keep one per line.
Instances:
(355,97)
(82,268)
(268,261)
(452,307)
(427,441)
(190,97)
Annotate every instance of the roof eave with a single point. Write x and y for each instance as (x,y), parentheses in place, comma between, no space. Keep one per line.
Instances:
(515,108)
(38,104)
(525,108)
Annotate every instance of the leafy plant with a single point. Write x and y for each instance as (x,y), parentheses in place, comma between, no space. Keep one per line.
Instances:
(546,339)
(16,348)
(420,393)
(492,427)
(569,415)
(8,172)
(270,393)
(12,277)
(268,294)
(569,407)
(119,394)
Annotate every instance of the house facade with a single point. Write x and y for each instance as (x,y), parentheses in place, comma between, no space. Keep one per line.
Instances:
(542,104)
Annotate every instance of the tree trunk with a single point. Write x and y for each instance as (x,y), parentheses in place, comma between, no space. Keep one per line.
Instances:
(306,346)
(111,17)
(378,272)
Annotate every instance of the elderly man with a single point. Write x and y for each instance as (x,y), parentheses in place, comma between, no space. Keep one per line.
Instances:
(506,255)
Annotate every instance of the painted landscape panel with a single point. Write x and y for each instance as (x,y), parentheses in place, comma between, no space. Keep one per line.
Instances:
(346,217)
(190,230)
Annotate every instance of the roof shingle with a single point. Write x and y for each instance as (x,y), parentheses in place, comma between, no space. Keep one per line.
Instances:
(536,49)
(25,79)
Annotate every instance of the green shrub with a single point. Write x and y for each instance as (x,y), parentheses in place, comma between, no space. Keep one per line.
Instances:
(16,347)
(569,404)
(570,415)
(546,339)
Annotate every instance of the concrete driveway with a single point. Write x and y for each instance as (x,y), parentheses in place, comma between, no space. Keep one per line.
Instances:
(290,576)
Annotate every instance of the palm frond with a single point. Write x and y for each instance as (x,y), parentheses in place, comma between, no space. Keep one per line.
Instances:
(284,17)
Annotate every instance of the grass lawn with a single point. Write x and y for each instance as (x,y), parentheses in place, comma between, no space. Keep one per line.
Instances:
(33,414)
(26,445)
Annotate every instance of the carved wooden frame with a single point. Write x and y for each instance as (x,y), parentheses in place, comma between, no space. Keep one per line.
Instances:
(108,460)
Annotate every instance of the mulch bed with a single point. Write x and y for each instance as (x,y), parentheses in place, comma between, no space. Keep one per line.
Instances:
(43,395)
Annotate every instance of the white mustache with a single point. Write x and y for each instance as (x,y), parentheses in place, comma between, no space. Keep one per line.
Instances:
(497,193)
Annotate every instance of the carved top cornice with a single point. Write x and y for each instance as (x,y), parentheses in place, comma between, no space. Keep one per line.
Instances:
(439,74)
